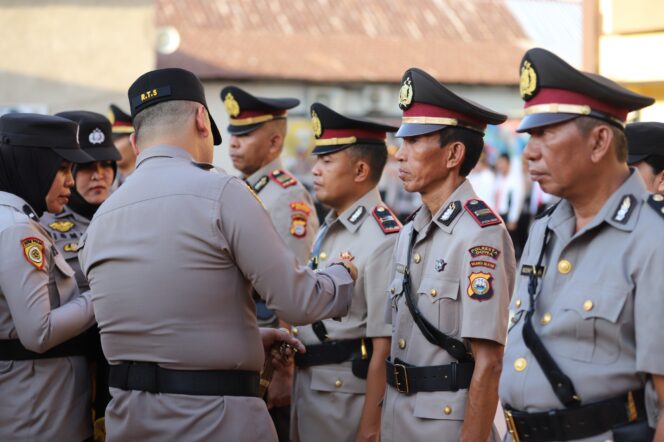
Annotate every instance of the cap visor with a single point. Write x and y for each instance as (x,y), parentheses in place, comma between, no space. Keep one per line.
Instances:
(635,158)
(103,153)
(74,155)
(324,150)
(541,120)
(242,130)
(413,130)
(216,135)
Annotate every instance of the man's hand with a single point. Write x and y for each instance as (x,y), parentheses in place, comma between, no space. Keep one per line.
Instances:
(279,391)
(272,336)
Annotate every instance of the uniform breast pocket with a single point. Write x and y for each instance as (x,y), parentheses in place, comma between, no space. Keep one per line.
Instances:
(591,319)
(339,380)
(438,303)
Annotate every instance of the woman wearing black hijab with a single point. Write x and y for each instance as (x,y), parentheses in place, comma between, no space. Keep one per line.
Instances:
(44,381)
(93,186)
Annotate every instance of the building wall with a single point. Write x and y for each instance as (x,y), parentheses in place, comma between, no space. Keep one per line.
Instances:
(630,46)
(73,54)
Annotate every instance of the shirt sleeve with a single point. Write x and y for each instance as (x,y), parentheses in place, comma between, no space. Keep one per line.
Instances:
(487,284)
(296,293)
(649,310)
(26,289)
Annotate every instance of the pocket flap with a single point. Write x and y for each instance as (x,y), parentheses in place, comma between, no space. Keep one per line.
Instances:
(437,288)
(396,286)
(444,405)
(340,379)
(604,303)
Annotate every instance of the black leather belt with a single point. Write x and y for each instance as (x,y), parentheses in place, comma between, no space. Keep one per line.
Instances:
(575,423)
(408,379)
(150,377)
(13,350)
(332,352)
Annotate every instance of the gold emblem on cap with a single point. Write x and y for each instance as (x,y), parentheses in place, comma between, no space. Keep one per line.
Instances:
(231,104)
(316,124)
(528,82)
(406,93)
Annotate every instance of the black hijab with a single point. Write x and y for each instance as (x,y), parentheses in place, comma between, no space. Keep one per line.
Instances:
(28,172)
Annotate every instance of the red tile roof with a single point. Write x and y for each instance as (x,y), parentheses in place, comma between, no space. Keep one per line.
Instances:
(458,41)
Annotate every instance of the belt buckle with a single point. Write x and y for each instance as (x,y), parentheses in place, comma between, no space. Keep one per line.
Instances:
(397,384)
(511,426)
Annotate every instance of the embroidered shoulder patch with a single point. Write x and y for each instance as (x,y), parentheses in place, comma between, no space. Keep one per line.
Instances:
(262,182)
(387,221)
(33,250)
(625,209)
(656,201)
(298,226)
(283,178)
(488,251)
(300,207)
(482,213)
(451,211)
(479,286)
(62,226)
(357,214)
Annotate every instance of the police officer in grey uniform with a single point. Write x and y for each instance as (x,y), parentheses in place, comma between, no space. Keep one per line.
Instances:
(258,130)
(171,257)
(89,192)
(646,153)
(452,278)
(44,383)
(340,381)
(588,306)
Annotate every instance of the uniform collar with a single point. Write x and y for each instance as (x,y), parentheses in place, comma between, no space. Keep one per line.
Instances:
(163,150)
(461,194)
(633,189)
(263,171)
(18,203)
(67,211)
(359,211)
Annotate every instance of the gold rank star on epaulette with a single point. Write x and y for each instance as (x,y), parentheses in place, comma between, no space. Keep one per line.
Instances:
(283,178)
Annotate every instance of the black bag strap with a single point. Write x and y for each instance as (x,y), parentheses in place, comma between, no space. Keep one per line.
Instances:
(454,347)
(561,383)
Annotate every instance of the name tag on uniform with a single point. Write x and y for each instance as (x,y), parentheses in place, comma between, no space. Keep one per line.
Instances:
(526,270)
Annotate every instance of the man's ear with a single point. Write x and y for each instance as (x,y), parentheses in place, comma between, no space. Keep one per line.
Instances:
(600,139)
(362,171)
(132,140)
(659,182)
(202,122)
(276,142)
(456,152)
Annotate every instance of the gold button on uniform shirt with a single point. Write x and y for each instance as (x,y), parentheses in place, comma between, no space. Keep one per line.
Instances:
(328,399)
(471,271)
(603,313)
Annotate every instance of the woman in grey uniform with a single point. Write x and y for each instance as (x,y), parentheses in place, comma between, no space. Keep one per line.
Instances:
(43,379)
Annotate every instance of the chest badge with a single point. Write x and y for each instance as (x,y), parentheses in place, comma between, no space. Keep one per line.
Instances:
(440,265)
(71,247)
(62,226)
(479,287)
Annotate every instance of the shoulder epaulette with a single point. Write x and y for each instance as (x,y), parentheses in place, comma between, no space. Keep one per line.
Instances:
(260,184)
(481,213)
(547,212)
(283,178)
(387,221)
(656,201)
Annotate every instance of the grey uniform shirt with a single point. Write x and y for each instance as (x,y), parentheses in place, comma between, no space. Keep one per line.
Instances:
(66,228)
(328,399)
(462,277)
(171,256)
(42,399)
(290,206)
(599,308)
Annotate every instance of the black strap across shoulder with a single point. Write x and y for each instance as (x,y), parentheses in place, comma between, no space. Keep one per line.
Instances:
(13,350)
(454,347)
(151,378)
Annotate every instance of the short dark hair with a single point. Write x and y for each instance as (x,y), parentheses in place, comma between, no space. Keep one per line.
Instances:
(374,154)
(585,124)
(473,141)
